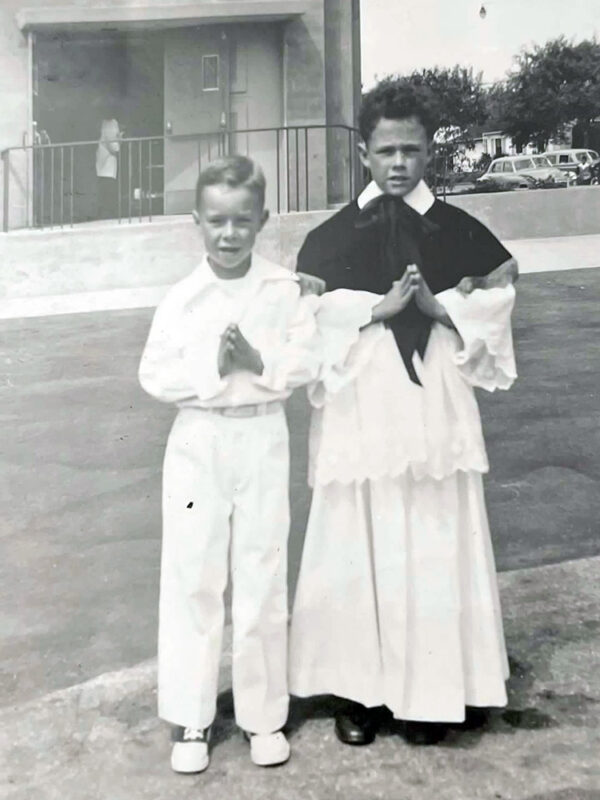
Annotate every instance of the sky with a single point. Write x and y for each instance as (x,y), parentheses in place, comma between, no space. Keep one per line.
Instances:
(398,36)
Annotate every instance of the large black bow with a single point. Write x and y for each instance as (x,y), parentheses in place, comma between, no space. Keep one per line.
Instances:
(401,232)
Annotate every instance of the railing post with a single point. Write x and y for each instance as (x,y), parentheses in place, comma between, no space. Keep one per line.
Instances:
(287,163)
(120,185)
(42,186)
(297,174)
(278,171)
(306,178)
(129,181)
(140,179)
(62,186)
(71,185)
(150,181)
(52,177)
(350,187)
(6,182)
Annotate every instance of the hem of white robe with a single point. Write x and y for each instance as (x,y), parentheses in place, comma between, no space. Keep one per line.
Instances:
(362,690)
(324,683)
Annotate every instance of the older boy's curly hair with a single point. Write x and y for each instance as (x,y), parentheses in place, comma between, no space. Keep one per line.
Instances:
(398,98)
(233,171)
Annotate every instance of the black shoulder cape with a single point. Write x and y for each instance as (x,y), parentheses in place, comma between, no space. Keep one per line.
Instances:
(349,257)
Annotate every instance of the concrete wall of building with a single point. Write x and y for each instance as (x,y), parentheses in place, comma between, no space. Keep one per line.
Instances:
(536,214)
(104,256)
(342,80)
(304,98)
(15,101)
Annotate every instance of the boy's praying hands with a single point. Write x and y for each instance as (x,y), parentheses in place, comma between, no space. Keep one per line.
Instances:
(236,353)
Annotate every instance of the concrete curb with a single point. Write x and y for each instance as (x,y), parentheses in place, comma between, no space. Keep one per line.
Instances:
(106,691)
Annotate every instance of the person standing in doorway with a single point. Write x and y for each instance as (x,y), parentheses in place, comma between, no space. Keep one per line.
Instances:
(107,168)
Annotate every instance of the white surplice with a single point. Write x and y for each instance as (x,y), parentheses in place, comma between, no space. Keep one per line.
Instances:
(397,601)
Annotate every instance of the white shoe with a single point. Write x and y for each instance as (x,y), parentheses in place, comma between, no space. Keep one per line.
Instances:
(268,749)
(191,753)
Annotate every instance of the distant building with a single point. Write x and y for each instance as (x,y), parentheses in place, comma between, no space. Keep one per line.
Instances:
(189,74)
(495,142)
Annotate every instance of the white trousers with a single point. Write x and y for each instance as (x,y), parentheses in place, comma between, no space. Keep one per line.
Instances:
(225,498)
(397,602)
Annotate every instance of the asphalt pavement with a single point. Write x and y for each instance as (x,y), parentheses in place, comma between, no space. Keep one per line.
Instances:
(81,457)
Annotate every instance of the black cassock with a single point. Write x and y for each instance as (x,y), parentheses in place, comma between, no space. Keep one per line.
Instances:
(367,250)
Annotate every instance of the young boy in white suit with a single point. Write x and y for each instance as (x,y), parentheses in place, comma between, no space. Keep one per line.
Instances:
(227,346)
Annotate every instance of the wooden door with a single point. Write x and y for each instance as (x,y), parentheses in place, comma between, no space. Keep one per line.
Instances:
(256,101)
(196,103)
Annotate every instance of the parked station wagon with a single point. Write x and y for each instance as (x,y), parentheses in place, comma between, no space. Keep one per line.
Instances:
(581,164)
(523,172)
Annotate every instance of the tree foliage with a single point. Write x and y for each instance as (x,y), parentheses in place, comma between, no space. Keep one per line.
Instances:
(552,85)
(455,95)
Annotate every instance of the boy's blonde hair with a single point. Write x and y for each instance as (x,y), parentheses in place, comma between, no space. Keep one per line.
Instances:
(233,171)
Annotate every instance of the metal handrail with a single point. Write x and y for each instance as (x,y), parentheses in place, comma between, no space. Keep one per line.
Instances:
(189,136)
(291,151)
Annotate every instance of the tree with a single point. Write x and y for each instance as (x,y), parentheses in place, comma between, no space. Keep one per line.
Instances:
(584,102)
(457,95)
(454,96)
(553,85)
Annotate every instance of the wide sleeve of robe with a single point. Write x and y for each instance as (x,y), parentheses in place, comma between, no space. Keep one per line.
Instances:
(371,421)
(482,318)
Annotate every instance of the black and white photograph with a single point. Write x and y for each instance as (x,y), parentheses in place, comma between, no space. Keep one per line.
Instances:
(300,399)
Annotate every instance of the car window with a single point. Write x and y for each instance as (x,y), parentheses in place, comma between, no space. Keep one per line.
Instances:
(496,166)
(542,161)
(523,163)
(507,166)
(564,158)
(552,158)
(593,154)
(582,157)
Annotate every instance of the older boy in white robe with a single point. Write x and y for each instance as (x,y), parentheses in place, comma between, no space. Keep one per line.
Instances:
(397,602)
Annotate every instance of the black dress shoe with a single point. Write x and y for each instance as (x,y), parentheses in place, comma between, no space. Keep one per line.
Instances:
(475,718)
(424,733)
(356,725)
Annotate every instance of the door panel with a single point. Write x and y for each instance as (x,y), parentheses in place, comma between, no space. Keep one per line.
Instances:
(196,95)
(257,100)
(244,90)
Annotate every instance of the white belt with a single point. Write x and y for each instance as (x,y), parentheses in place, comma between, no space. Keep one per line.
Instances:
(251,410)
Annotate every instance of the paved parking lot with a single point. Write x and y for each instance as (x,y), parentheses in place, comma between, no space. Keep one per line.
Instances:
(81,456)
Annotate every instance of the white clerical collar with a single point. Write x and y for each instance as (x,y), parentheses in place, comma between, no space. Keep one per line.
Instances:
(420,198)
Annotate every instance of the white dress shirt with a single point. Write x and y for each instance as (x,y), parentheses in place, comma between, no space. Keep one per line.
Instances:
(179,363)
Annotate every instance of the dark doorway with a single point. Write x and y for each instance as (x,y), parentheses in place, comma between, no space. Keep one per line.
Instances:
(78,82)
